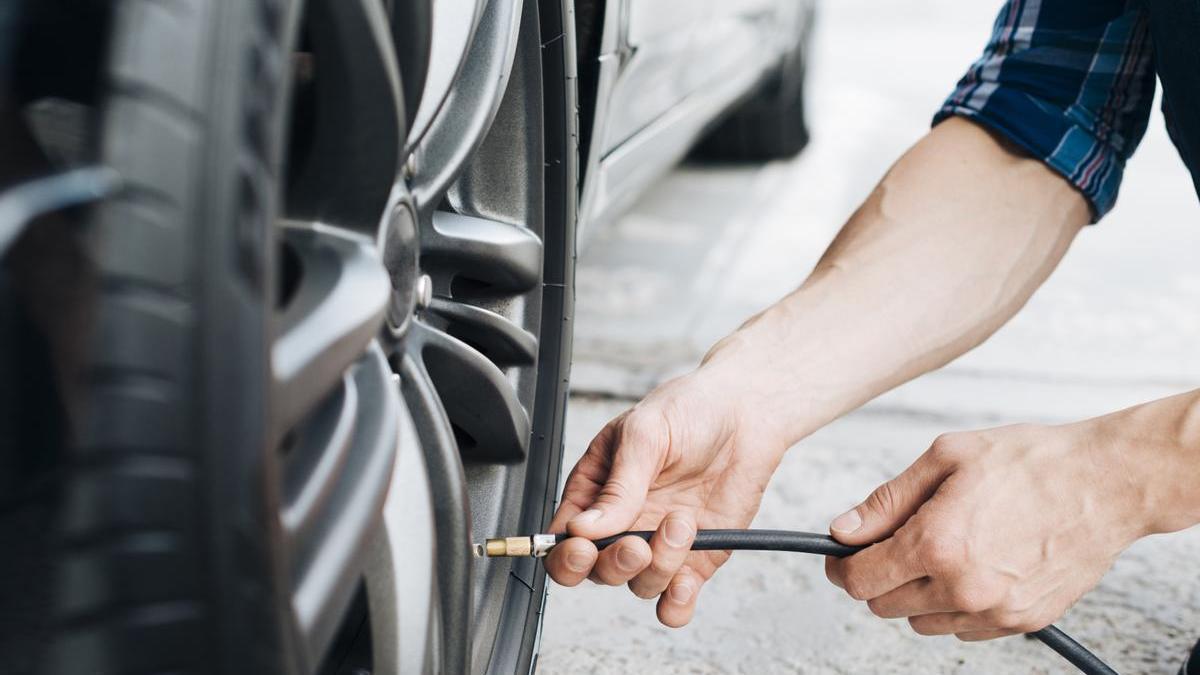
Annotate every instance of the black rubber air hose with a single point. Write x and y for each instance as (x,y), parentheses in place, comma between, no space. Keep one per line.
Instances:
(822,544)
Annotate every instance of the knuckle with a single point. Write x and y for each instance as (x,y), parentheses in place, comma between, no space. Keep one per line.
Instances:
(968,596)
(857,588)
(941,555)
(885,497)
(1005,619)
(947,447)
(645,429)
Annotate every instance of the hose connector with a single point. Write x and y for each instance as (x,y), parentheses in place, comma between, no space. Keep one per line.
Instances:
(535,546)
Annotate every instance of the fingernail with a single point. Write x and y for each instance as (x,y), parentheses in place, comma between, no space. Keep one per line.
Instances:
(627,560)
(578,562)
(846,523)
(677,533)
(587,517)
(680,593)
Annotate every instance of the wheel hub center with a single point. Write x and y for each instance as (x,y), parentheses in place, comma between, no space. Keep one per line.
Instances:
(401,257)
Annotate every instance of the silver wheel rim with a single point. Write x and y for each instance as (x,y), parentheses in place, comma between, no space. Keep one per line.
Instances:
(407,339)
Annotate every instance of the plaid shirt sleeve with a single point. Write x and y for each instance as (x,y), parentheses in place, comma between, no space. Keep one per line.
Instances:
(1071,82)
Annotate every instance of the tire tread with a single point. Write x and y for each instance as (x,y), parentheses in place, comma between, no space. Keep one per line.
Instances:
(134,588)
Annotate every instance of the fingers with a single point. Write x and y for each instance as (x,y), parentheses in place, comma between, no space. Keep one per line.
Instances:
(975,626)
(571,561)
(917,597)
(979,636)
(669,547)
(894,502)
(875,570)
(641,448)
(948,623)
(605,494)
(930,611)
(678,603)
(621,562)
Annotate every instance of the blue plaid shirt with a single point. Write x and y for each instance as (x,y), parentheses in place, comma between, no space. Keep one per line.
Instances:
(1071,82)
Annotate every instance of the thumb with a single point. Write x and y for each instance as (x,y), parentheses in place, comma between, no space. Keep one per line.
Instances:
(641,446)
(889,506)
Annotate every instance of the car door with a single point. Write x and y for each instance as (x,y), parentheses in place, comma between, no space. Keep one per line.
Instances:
(670,49)
(654,45)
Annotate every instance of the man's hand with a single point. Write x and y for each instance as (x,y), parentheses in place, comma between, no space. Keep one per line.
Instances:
(686,457)
(999,532)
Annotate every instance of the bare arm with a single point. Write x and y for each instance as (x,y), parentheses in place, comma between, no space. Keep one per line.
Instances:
(951,243)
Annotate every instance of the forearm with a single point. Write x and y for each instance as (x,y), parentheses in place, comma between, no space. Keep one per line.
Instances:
(952,242)
(1156,447)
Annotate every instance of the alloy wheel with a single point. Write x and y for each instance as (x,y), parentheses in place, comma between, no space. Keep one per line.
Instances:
(420,341)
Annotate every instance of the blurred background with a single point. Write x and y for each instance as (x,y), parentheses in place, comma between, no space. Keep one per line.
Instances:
(710,245)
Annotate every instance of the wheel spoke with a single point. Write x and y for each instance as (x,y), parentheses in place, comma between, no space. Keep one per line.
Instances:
(328,547)
(489,421)
(469,109)
(507,257)
(348,123)
(403,561)
(335,312)
(498,338)
(456,21)
(451,512)
(313,467)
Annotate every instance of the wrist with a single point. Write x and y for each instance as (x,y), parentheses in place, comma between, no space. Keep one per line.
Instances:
(763,382)
(1157,446)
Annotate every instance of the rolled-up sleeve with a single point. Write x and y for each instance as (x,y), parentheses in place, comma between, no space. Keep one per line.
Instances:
(1071,82)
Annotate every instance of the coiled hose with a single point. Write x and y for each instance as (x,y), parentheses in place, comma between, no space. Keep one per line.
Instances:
(821,544)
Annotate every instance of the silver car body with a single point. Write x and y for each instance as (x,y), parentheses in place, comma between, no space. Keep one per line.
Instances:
(667,70)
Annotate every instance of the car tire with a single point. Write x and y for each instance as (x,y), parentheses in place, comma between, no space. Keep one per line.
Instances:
(163,566)
(170,552)
(771,123)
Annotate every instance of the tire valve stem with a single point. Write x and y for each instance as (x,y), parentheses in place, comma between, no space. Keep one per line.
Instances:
(533,546)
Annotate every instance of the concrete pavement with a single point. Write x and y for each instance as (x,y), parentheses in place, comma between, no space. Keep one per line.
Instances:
(1118,323)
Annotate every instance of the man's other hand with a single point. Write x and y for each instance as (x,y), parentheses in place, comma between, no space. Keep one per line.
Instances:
(680,460)
(996,532)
